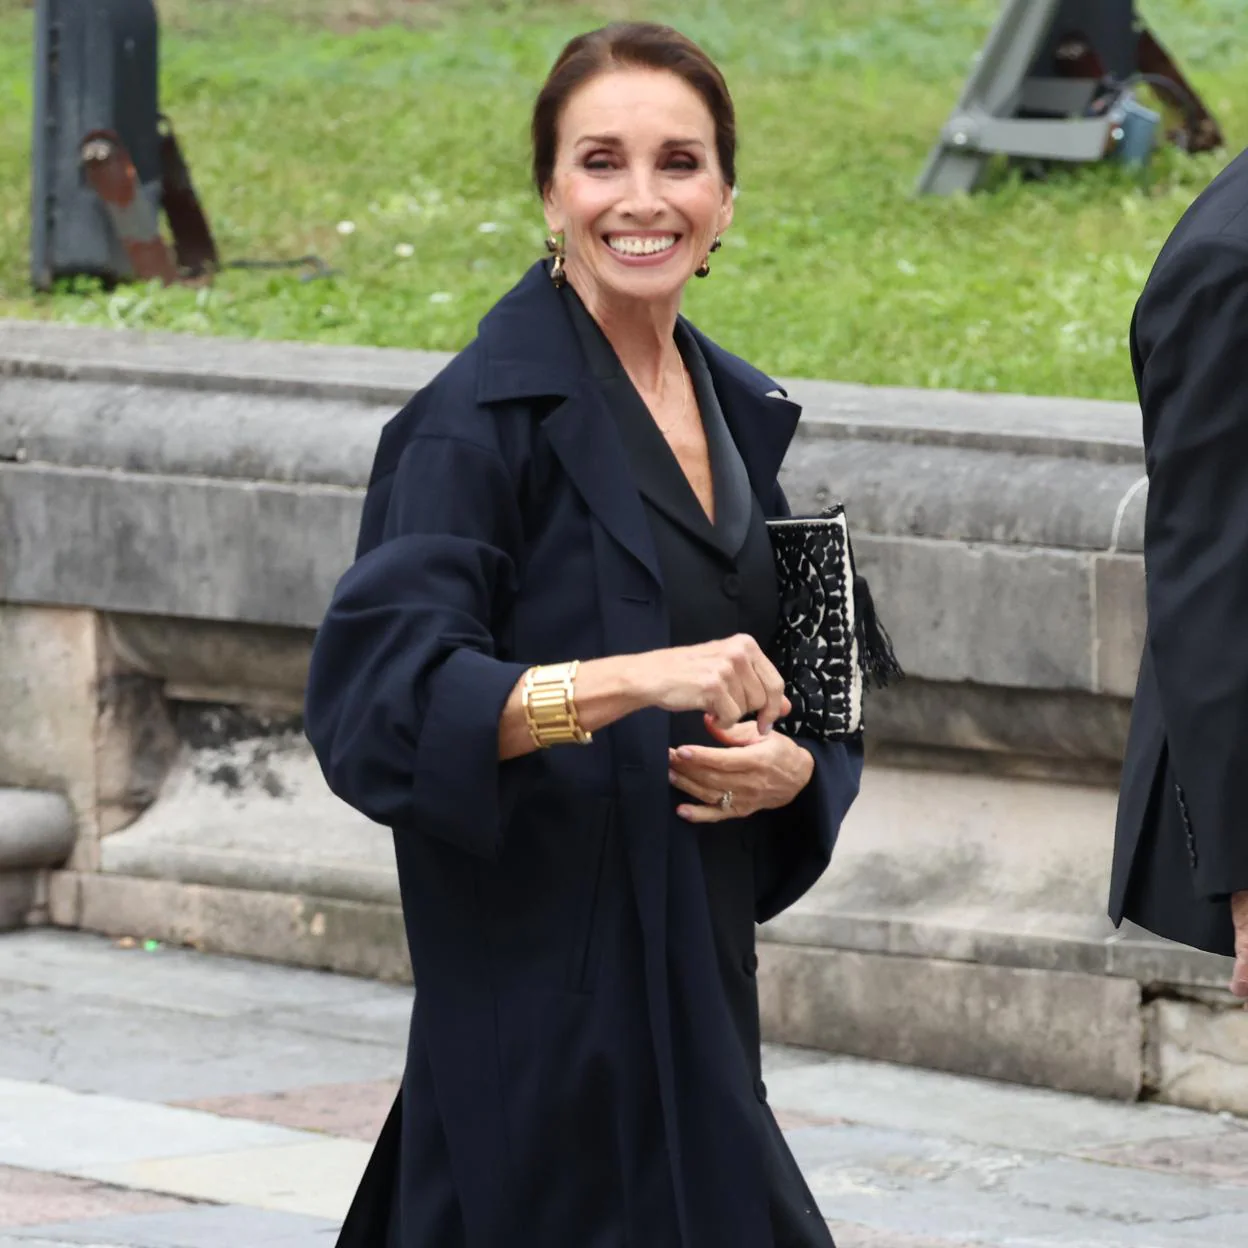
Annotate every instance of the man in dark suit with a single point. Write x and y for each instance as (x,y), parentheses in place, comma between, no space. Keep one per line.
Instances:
(1181,844)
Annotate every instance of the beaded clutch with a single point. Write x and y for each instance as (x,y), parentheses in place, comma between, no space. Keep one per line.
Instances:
(829,646)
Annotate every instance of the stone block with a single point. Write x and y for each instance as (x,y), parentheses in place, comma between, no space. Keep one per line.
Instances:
(48,696)
(1121,622)
(19,897)
(216,661)
(127,542)
(1198,1053)
(957,493)
(1076,1033)
(65,898)
(991,615)
(1032,723)
(352,937)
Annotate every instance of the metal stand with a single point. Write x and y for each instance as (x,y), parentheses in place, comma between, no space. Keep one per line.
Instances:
(1051,85)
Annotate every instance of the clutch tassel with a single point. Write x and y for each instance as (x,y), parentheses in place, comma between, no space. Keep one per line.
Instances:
(875,648)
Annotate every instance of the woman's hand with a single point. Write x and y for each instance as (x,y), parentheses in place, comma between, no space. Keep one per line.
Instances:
(726,679)
(761,773)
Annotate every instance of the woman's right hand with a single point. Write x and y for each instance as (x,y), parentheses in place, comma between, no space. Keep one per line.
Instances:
(726,679)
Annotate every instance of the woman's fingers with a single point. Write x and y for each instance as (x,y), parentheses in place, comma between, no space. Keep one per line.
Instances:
(695,788)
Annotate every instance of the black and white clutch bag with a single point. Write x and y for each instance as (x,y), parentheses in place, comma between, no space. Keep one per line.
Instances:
(829,645)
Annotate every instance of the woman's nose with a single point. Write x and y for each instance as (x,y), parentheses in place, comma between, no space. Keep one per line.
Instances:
(642,198)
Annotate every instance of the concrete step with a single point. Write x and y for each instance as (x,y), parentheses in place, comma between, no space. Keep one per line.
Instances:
(36,832)
(961,926)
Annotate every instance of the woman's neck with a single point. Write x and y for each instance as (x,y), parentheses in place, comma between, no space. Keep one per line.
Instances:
(640,331)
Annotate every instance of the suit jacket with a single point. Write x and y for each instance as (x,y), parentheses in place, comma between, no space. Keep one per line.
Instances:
(568,1081)
(1181,844)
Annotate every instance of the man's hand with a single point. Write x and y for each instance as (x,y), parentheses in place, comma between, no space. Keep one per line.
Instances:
(1239,913)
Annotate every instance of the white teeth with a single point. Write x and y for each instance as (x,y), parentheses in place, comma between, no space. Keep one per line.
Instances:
(628,246)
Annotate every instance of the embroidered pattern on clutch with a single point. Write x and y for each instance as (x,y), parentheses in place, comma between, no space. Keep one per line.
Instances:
(829,645)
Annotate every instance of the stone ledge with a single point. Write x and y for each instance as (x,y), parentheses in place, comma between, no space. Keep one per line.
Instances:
(1133,954)
(1076,1033)
(330,934)
(1080,428)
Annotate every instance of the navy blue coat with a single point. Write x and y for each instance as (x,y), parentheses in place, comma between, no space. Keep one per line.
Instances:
(572,1080)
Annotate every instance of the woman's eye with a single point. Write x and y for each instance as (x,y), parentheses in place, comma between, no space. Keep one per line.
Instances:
(683,163)
(598,162)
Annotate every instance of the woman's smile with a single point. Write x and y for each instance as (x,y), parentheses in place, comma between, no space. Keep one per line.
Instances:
(642,248)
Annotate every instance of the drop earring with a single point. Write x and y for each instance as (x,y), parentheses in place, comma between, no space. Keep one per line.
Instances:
(704,269)
(555,247)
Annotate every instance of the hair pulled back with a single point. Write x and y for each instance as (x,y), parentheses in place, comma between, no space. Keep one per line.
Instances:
(630,45)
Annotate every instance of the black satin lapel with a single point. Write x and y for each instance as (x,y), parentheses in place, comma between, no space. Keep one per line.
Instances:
(584,436)
(734,500)
(762,427)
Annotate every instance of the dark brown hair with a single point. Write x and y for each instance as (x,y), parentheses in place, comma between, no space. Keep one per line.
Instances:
(635,45)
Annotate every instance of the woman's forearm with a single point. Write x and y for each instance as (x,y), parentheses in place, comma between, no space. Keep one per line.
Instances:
(606,690)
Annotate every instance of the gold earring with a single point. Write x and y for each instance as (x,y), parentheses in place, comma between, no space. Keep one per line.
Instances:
(704,269)
(555,247)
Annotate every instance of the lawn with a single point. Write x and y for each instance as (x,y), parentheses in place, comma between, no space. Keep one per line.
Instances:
(390,138)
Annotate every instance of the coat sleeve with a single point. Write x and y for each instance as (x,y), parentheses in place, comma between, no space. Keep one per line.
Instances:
(797,852)
(406,686)
(1192,344)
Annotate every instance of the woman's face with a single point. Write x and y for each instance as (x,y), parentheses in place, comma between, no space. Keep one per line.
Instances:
(637,191)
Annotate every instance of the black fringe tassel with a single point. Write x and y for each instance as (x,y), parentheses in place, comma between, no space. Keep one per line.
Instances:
(875,649)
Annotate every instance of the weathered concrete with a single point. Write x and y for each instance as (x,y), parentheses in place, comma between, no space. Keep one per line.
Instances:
(173,516)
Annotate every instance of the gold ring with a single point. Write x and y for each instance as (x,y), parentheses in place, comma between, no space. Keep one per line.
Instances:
(725,800)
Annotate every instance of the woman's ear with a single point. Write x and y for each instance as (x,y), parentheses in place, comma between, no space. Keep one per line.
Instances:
(550,207)
(726,209)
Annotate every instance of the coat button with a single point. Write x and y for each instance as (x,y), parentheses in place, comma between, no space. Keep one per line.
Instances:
(749,963)
(760,1091)
(732,585)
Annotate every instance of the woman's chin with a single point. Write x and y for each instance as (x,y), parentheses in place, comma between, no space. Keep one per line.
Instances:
(653,282)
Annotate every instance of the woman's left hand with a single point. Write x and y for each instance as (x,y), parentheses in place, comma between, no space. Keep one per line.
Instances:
(761,773)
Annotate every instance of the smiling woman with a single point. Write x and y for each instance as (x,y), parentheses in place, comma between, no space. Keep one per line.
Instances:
(564,545)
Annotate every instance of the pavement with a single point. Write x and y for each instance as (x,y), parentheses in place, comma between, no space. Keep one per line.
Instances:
(155,1097)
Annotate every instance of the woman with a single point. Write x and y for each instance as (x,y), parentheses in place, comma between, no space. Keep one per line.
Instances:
(539,673)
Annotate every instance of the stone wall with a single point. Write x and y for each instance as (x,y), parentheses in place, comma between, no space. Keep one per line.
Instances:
(175,512)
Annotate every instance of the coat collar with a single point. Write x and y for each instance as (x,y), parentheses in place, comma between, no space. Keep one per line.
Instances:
(530,349)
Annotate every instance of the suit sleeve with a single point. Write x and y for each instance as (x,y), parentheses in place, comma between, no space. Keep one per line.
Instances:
(797,852)
(406,687)
(1192,340)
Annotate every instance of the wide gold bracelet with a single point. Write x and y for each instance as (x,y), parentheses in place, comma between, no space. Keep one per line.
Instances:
(549,700)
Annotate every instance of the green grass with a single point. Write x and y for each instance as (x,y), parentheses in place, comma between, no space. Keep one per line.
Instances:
(409,119)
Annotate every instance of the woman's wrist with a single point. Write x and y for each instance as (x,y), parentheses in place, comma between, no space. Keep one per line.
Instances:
(609,689)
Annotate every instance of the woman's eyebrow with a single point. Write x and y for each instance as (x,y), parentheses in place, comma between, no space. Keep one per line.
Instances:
(614,140)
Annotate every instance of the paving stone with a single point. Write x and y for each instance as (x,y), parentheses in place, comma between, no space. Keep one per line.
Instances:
(851,1235)
(207,1226)
(49,1128)
(112,1046)
(317,1178)
(1221,1158)
(33,1198)
(977,1110)
(354,1110)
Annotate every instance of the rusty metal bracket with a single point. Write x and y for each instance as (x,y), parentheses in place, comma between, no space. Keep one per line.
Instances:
(192,237)
(1200,131)
(112,176)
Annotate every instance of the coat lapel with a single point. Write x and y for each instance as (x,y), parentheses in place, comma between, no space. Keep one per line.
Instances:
(530,349)
(762,426)
(584,436)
